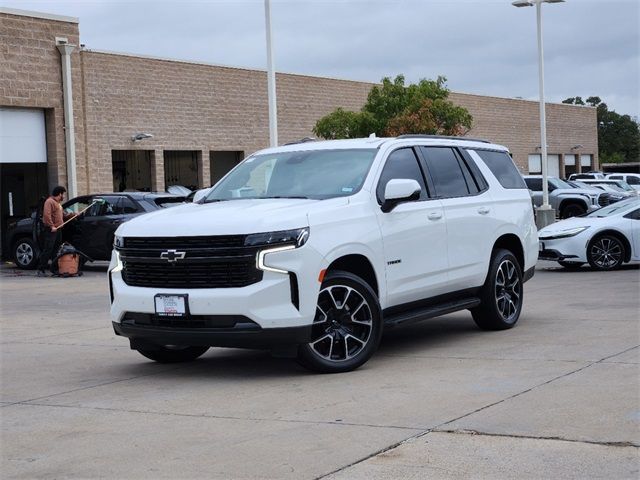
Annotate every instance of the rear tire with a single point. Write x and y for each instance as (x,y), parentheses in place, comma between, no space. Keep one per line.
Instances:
(347,327)
(502,293)
(172,353)
(25,253)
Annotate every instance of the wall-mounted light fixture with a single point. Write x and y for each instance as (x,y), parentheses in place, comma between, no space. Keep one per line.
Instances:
(576,147)
(140,136)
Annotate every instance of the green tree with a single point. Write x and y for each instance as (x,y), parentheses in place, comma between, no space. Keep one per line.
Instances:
(395,109)
(618,135)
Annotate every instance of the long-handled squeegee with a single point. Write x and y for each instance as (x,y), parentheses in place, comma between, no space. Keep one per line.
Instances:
(97,201)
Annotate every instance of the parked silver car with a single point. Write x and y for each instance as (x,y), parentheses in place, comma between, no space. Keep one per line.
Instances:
(565,200)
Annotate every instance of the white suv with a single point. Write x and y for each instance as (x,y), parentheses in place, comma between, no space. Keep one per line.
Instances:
(313,249)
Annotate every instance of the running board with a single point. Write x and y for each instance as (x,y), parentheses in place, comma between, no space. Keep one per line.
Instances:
(431,312)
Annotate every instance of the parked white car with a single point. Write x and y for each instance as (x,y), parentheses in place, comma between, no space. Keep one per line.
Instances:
(313,249)
(606,238)
(632,179)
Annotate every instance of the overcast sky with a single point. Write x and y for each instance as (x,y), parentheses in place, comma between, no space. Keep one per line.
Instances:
(487,47)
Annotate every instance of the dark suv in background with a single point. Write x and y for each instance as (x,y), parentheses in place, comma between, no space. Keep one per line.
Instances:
(92,232)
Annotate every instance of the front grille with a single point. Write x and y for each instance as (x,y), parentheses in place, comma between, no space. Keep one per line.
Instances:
(208,262)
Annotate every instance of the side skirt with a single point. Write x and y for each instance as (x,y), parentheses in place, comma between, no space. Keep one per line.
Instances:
(430,308)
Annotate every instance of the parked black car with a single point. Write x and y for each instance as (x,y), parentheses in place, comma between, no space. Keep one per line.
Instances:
(92,232)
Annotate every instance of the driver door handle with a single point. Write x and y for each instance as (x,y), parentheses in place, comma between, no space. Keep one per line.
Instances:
(483,210)
(434,216)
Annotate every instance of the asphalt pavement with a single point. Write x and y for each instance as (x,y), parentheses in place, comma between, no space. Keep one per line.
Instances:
(558,396)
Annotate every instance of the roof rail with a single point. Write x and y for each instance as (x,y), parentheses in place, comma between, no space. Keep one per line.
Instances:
(442,137)
(302,140)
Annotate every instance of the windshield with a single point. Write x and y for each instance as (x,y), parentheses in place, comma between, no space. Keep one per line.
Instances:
(558,183)
(316,174)
(615,209)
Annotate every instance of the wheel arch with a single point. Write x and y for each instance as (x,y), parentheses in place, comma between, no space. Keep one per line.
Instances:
(565,202)
(359,265)
(511,242)
(619,235)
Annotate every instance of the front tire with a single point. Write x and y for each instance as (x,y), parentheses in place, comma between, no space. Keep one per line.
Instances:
(502,293)
(25,253)
(172,353)
(347,327)
(572,210)
(605,252)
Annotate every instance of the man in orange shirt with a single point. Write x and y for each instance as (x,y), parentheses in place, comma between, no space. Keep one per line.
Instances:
(52,216)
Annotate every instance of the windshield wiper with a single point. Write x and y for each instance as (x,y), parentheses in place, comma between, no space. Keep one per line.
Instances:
(288,196)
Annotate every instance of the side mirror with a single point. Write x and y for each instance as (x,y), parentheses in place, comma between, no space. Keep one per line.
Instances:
(200,194)
(400,190)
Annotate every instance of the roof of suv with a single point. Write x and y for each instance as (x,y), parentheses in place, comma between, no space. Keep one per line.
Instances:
(377,142)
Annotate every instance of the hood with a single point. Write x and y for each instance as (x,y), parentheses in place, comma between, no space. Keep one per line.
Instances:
(567,224)
(579,191)
(232,217)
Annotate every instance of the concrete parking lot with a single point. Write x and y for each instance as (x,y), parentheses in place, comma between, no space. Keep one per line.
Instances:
(556,397)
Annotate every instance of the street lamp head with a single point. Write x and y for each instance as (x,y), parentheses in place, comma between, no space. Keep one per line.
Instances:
(140,136)
(531,3)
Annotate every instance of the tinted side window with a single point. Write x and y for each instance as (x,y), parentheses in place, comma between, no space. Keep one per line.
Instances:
(635,215)
(502,168)
(401,163)
(127,206)
(615,177)
(633,180)
(446,172)
(534,184)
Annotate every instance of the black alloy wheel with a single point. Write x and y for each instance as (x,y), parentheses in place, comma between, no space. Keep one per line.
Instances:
(25,254)
(502,294)
(605,252)
(347,327)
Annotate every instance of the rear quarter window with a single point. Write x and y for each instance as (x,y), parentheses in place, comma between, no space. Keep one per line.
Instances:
(502,167)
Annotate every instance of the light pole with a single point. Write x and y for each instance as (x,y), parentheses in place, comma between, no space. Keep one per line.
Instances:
(546,214)
(271,80)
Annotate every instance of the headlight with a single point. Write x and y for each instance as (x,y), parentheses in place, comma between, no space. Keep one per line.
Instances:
(297,238)
(274,242)
(118,241)
(562,233)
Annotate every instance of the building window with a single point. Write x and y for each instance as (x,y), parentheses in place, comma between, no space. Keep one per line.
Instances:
(569,165)
(131,170)
(585,162)
(181,168)
(222,162)
(535,165)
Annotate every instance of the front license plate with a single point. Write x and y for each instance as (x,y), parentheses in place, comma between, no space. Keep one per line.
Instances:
(540,246)
(171,305)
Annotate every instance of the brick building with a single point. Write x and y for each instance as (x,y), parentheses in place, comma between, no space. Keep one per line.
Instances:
(203,118)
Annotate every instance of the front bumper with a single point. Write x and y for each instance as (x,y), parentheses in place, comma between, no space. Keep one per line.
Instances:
(572,249)
(240,335)
(275,305)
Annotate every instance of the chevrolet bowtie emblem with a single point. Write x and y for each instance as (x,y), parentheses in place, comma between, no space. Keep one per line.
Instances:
(172,256)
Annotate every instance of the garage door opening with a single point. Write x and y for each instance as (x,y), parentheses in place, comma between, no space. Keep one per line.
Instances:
(23,165)
(222,162)
(181,168)
(131,170)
